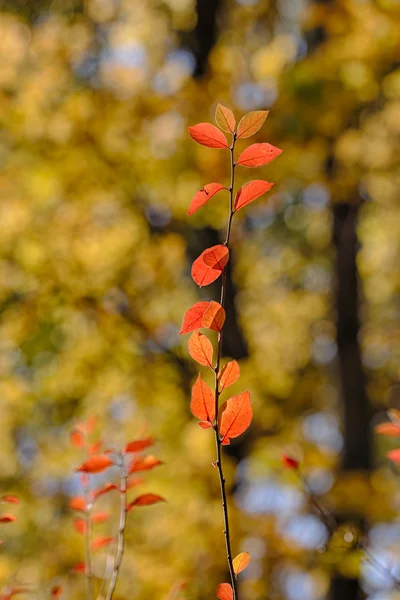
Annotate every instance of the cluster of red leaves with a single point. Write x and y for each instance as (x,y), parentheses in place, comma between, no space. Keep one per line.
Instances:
(391,429)
(233,416)
(8,517)
(99,461)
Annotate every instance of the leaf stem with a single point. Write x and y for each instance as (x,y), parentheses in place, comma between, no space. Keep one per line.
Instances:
(121,530)
(217,392)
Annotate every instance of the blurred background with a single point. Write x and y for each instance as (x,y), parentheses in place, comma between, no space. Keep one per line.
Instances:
(95,254)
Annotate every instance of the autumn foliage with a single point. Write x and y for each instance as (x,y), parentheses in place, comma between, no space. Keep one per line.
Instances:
(231,418)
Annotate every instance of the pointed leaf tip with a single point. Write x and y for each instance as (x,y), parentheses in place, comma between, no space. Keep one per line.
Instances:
(208,135)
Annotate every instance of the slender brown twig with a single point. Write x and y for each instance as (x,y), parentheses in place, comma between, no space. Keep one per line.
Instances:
(217,392)
(121,529)
(88,532)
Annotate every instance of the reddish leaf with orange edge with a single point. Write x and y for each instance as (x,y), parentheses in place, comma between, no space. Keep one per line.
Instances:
(208,135)
(216,257)
(192,319)
(251,123)
(388,429)
(10,499)
(200,349)
(202,404)
(144,464)
(394,456)
(101,542)
(202,273)
(78,503)
(214,316)
(100,517)
(80,525)
(228,375)
(224,591)
(139,445)
(204,195)
(104,490)
(77,438)
(258,155)
(145,500)
(240,562)
(7,518)
(225,118)
(205,424)
(56,591)
(251,191)
(96,464)
(235,417)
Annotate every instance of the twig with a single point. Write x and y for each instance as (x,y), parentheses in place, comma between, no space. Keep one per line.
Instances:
(88,532)
(217,392)
(121,530)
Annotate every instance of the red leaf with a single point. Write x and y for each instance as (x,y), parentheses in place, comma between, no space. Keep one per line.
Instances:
(251,191)
(200,349)
(139,445)
(205,424)
(216,257)
(210,264)
(100,517)
(107,488)
(56,591)
(240,562)
(144,464)
(388,429)
(394,456)
(7,518)
(193,316)
(79,568)
(289,462)
(228,375)
(101,542)
(225,118)
(80,526)
(208,135)
(202,404)
(145,500)
(235,417)
(9,499)
(258,155)
(94,448)
(224,591)
(78,503)
(203,196)
(96,464)
(251,123)
(77,438)
(214,316)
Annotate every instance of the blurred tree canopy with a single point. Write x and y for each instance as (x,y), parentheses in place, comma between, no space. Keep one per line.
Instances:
(95,255)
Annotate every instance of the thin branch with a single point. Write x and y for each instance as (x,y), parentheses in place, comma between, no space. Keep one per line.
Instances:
(88,534)
(217,392)
(121,530)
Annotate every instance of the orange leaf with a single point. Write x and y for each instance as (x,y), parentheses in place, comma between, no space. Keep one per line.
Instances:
(224,591)
(394,456)
(139,445)
(203,273)
(240,562)
(203,402)
(78,503)
(235,417)
(205,424)
(79,568)
(94,448)
(100,542)
(228,375)
(289,462)
(77,438)
(214,316)
(200,349)
(145,500)
(9,499)
(203,196)
(80,526)
(216,257)
(251,191)
(145,464)
(56,591)
(193,317)
(258,155)
(251,123)
(107,488)
(133,482)
(225,118)
(208,135)
(7,518)
(388,429)
(100,517)
(96,464)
